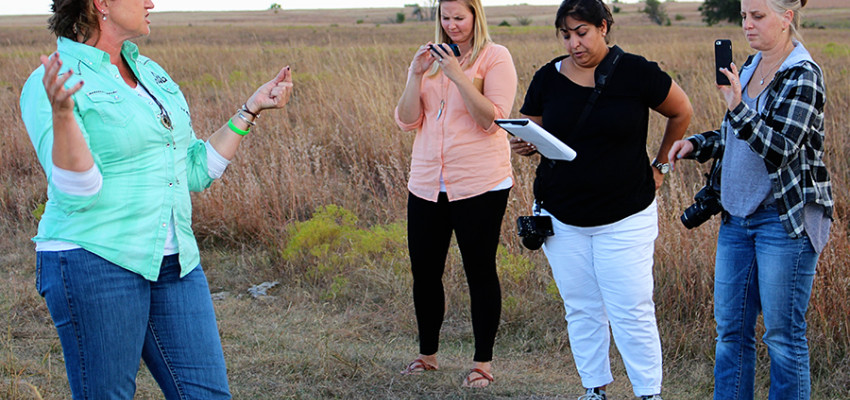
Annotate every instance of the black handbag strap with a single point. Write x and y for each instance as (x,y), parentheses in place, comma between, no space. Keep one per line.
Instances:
(602,74)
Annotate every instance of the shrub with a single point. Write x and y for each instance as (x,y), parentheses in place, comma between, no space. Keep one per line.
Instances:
(655,11)
(523,21)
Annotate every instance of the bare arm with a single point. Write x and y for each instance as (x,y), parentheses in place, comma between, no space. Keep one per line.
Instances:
(677,108)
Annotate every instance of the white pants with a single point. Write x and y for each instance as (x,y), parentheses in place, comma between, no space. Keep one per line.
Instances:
(604,273)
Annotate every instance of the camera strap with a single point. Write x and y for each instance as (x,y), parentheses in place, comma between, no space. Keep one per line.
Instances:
(603,74)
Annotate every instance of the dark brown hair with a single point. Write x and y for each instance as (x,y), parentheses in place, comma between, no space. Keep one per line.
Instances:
(73,19)
(593,11)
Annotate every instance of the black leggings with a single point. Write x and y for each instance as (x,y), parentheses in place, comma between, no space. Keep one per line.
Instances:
(477,223)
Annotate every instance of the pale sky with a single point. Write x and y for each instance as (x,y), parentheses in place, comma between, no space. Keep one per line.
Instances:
(21,7)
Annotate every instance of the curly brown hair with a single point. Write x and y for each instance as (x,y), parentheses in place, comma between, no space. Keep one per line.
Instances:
(73,19)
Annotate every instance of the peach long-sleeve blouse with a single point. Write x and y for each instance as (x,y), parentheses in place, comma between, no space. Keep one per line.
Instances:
(470,159)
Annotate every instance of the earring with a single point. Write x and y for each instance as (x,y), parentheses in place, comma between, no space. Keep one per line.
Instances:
(104,14)
(104,17)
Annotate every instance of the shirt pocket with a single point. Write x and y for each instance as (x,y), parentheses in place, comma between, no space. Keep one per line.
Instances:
(110,106)
(168,85)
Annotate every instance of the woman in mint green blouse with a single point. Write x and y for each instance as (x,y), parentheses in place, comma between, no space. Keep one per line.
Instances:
(117,261)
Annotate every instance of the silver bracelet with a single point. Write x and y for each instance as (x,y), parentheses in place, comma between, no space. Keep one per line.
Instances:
(253,114)
(244,118)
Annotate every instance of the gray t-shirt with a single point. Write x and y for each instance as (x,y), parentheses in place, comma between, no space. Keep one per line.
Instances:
(744,183)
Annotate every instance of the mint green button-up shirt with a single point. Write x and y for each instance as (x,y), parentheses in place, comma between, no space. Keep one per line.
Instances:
(148,170)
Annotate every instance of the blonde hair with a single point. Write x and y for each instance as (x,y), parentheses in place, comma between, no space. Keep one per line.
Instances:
(480,35)
(781,6)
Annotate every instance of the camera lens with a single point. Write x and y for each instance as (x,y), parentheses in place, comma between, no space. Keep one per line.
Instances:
(533,242)
(693,217)
(707,205)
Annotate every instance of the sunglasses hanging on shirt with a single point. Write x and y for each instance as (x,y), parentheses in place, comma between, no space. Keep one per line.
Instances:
(164,118)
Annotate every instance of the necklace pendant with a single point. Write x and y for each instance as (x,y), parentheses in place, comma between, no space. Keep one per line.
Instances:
(761,82)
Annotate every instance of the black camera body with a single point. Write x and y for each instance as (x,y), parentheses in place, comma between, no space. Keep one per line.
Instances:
(706,204)
(534,230)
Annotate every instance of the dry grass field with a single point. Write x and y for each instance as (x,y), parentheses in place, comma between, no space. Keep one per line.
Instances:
(315,200)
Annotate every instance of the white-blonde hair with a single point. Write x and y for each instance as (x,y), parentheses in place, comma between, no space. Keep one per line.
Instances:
(480,35)
(781,6)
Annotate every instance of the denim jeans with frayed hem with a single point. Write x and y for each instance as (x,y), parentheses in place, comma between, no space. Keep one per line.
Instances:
(760,269)
(109,318)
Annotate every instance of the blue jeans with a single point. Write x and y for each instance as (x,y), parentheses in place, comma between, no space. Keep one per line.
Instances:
(109,318)
(759,268)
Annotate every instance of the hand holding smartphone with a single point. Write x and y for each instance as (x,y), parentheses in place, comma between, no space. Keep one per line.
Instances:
(722,59)
(443,51)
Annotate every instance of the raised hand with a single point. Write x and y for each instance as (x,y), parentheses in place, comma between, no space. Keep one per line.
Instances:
(54,84)
(273,94)
(448,62)
(422,60)
(70,150)
(731,92)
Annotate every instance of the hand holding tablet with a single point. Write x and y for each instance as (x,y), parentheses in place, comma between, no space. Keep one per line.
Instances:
(547,144)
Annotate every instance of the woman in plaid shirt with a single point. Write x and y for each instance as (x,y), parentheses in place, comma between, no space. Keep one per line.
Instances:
(777,201)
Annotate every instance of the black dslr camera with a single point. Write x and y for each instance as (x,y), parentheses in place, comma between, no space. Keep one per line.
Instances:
(534,230)
(706,202)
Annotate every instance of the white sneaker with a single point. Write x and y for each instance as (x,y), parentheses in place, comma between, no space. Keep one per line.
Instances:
(593,394)
(653,397)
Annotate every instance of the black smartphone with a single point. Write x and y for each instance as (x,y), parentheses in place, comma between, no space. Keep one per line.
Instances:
(452,46)
(455,49)
(722,59)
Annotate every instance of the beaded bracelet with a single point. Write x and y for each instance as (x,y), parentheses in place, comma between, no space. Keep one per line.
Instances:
(236,130)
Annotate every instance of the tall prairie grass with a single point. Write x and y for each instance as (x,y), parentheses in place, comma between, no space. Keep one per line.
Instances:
(342,321)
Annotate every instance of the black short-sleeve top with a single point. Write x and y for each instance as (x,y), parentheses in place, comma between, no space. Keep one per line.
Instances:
(611,177)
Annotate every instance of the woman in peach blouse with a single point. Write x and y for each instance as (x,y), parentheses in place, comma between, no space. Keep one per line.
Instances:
(460,175)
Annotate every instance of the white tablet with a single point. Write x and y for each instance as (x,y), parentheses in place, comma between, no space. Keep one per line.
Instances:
(547,144)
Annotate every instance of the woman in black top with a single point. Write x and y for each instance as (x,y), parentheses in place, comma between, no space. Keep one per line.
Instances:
(602,203)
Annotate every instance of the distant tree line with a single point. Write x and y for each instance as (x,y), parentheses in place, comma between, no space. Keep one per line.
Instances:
(714,11)
(428,12)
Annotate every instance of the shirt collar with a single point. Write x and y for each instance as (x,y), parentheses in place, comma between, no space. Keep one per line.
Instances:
(93,57)
(797,56)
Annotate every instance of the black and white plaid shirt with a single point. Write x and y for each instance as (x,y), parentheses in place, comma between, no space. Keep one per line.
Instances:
(788,135)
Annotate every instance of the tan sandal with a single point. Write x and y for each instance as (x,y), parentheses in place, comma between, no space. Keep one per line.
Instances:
(416,366)
(482,375)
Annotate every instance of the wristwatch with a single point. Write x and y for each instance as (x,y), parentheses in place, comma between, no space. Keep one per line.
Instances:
(660,166)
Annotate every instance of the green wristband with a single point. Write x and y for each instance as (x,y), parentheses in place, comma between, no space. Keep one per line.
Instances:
(236,130)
